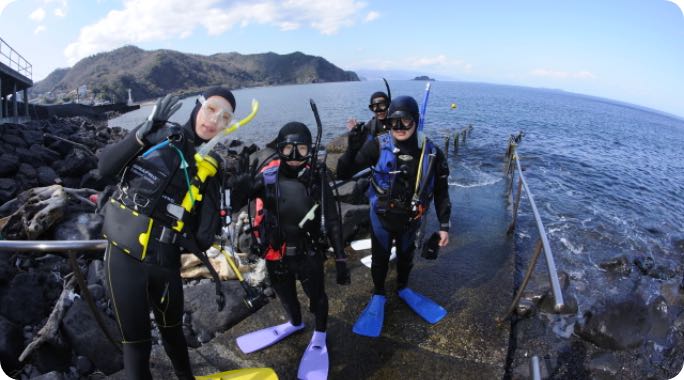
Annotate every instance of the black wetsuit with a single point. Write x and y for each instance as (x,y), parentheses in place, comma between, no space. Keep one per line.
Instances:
(302,258)
(357,137)
(136,286)
(394,222)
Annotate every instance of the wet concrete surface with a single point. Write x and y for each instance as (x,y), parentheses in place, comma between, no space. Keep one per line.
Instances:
(472,279)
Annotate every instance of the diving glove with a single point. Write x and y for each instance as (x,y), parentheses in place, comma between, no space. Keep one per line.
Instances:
(343,277)
(161,112)
(431,247)
(356,137)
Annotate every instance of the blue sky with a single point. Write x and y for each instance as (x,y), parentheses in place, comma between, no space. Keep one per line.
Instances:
(628,50)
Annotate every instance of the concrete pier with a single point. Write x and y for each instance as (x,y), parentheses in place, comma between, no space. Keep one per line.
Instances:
(16,75)
(472,279)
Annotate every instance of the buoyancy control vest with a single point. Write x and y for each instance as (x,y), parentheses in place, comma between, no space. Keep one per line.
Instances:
(156,182)
(151,198)
(278,215)
(384,175)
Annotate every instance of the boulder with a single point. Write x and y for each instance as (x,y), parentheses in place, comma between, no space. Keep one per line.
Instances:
(24,301)
(8,189)
(11,345)
(14,140)
(620,265)
(27,176)
(200,302)
(616,324)
(75,164)
(45,155)
(9,164)
(86,338)
(80,226)
(46,176)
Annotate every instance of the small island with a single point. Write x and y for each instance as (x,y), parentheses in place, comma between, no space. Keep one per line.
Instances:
(424,77)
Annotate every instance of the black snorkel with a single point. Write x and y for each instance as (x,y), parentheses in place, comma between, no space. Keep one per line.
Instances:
(314,163)
(389,93)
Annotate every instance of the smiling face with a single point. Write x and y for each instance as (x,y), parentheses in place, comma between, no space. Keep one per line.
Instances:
(214,115)
(402,128)
(379,107)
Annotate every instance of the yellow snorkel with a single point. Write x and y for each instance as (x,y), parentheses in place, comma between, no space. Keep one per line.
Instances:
(208,147)
(207,166)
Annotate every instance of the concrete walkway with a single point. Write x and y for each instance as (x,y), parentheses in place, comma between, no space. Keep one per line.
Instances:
(472,279)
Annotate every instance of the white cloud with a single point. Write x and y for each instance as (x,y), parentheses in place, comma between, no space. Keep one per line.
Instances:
(4,4)
(438,64)
(39,29)
(59,12)
(562,74)
(38,15)
(679,3)
(160,20)
(372,15)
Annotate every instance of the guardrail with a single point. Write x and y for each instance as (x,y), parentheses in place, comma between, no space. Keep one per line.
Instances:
(512,168)
(14,60)
(52,245)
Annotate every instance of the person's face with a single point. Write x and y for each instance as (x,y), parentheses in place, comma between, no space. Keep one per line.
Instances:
(379,107)
(214,115)
(402,128)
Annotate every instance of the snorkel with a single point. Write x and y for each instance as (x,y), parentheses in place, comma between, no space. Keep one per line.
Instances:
(423,107)
(209,146)
(389,93)
(314,163)
(207,166)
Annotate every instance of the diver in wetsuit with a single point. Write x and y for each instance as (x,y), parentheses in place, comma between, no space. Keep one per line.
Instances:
(408,171)
(361,132)
(292,239)
(154,184)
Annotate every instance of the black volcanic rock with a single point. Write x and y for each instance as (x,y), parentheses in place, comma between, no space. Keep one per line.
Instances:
(150,74)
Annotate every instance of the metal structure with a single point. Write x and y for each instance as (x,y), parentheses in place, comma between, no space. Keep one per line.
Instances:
(512,168)
(16,74)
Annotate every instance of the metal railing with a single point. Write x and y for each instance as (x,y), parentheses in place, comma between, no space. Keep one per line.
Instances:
(535,368)
(14,60)
(512,168)
(52,245)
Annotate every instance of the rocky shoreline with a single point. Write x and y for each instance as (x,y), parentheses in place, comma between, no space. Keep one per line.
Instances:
(47,174)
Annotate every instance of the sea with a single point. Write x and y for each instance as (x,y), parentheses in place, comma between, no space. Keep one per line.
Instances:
(607,177)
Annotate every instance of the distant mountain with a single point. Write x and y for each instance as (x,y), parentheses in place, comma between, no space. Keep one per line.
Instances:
(150,74)
(424,78)
(371,74)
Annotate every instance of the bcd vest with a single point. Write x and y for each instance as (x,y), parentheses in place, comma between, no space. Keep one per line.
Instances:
(277,238)
(385,172)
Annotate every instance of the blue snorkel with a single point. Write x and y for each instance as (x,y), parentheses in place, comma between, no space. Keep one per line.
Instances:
(423,107)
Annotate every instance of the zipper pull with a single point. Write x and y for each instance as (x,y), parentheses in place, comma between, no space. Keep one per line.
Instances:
(165,293)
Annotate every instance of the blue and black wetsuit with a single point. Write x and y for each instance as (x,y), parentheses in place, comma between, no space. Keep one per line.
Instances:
(394,215)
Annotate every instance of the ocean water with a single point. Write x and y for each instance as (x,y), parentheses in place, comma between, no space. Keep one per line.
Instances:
(607,177)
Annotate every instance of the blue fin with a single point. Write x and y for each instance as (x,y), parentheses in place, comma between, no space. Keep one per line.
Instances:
(372,317)
(423,306)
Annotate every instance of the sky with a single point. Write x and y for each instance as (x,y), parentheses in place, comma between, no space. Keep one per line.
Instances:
(626,50)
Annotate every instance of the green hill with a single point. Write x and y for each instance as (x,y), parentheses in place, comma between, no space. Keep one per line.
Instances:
(150,74)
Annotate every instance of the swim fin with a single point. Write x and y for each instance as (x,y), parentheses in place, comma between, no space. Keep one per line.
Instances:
(242,374)
(423,306)
(372,317)
(314,364)
(257,340)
